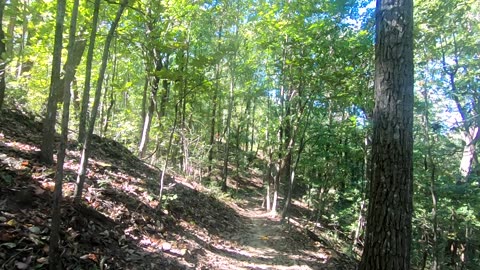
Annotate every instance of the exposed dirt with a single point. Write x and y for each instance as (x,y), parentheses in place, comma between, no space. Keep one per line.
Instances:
(118,225)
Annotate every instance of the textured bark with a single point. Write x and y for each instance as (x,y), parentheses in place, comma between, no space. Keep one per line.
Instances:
(388,236)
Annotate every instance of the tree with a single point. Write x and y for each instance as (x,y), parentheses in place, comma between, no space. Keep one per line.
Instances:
(82,171)
(82,129)
(388,233)
(72,61)
(3,56)
(48,133)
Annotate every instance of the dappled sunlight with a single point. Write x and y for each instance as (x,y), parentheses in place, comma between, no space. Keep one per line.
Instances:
(119,225)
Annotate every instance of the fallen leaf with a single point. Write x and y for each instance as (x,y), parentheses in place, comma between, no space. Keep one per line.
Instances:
(12,222)
(35,230)
(50,186)
(42,260)
(166,246)
(21,265)
(90,256)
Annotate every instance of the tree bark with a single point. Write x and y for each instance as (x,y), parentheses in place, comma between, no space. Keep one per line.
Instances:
(48,133)
(54,250)
(82,171)
(82,127)
(431,167)
(228,128)
(3,56)
(388,234)
(165,166)
(154,83)
(214,106)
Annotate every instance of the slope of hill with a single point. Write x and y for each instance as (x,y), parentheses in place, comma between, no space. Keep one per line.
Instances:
(118,226)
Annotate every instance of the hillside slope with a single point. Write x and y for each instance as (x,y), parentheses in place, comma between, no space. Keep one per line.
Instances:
(118,226)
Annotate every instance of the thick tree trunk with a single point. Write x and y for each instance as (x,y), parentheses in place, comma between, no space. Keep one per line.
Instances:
(388,236)
(82,171)
(82,127)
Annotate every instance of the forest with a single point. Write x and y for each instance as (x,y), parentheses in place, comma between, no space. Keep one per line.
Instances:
(305,134)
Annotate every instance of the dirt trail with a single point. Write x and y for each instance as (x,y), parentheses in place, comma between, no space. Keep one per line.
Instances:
(265,243)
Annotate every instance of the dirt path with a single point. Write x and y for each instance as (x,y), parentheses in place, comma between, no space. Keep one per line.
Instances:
(265,243)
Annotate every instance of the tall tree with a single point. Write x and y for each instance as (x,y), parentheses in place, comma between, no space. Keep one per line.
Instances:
(88,75)
(3,56)
(54,251)
(82,171)
(48,133)
(388,233)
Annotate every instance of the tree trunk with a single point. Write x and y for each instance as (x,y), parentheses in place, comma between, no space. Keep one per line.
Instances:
(214,108)
(24,37)
(213,119)
(109,113)
(73,60)
(11,27)
(82,171)
(435,264)
(142,148)
(54,250)
(154,83)
(111,101)
(228,128)
(185,142)
(276,188)
(388,236)
(366,178)
(165,166)
(3,56)
(82,127)
(48,133)
(294,167)
(144,102)
(470,130)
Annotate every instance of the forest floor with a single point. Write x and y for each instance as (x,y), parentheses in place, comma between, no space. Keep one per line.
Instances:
(118,225)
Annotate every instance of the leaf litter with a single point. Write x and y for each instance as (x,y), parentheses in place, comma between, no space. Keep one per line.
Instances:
(118,225)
